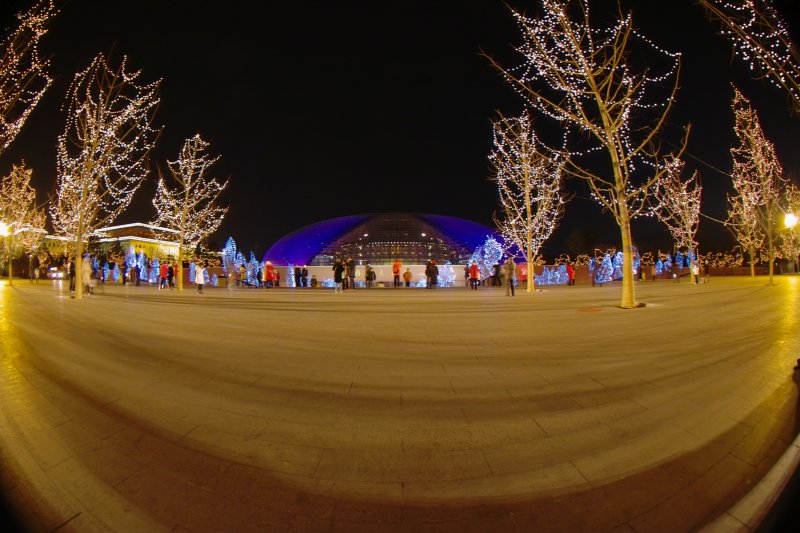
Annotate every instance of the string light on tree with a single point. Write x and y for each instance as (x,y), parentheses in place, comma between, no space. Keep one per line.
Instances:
(583,77)
(760,40)
(103,153)
(758,182)
(677,206)
(19,212)
(529,181)
(188,205)
(23,74)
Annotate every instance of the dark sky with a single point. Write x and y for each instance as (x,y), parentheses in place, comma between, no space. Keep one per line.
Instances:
(325,109)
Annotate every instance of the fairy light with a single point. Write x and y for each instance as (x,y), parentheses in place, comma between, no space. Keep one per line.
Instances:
(188,204)
(583,78)
(23,74)
(790,236)
(102,154)
(229,256)
(677,205)
(757,182)
(760,40)
(529,181)
(18,209)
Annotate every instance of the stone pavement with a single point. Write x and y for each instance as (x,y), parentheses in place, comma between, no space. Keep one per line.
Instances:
(393,409)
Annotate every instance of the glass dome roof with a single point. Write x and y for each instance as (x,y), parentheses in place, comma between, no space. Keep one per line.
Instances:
(380,238)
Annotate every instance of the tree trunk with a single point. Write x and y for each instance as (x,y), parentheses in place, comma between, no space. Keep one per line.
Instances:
(770,250)
(9,247)
(179,268)
(628,290)
(531,273)
(691,266)
(79,265)
(529,287)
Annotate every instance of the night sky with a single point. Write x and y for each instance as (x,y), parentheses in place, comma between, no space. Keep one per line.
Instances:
(326,109)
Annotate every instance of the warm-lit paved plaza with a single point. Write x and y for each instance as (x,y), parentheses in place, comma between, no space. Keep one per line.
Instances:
(394,409)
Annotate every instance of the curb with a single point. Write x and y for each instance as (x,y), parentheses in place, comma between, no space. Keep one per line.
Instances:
(749,513)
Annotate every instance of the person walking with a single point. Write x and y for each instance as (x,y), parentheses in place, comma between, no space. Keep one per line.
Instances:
(653,271)
(298,275)
(162,275)
(696,273)
(36,274)
(428,274)
(510,270)
(338,275)
(199,276)
(304,275)
(369,276)
(171,276)
(706,270)
(350,267)
(407,277)
(86,266)
(72,274)
(434,275)
(474,276)
(396,272)
(269,274)
(570,274)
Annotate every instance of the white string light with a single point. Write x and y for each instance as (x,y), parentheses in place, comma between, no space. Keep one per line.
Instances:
(757,181)
(102,156)
(189,206)
(760,40)
(23,74)
(529,181)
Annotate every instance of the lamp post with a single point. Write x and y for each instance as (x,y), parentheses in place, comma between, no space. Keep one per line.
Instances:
(5,231)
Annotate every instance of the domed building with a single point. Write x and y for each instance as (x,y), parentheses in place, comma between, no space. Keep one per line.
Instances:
(380,238)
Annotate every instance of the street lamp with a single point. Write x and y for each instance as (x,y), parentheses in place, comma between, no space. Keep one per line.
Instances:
(790,220)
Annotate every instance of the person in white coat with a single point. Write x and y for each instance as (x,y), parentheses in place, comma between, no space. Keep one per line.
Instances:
(199,276)
(88,282)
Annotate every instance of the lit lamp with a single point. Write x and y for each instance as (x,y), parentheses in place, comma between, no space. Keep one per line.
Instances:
(790,220)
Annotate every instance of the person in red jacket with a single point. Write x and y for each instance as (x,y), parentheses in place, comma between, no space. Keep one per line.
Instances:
(396,272)
(162,274)
(474,275)
(570,274)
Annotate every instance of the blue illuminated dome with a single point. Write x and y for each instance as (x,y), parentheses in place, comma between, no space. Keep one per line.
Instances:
(380,238)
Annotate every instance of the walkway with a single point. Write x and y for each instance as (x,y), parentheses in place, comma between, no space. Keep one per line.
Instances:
(393,409)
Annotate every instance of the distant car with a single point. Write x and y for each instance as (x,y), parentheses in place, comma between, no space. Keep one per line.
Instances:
(57,272)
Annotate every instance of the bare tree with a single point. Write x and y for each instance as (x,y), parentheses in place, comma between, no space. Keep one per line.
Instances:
(18,210)
(23,74)
(761,40)
(758,181)
(102,154)
(529,180)
(677,205)
(189,206)
(584,78)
